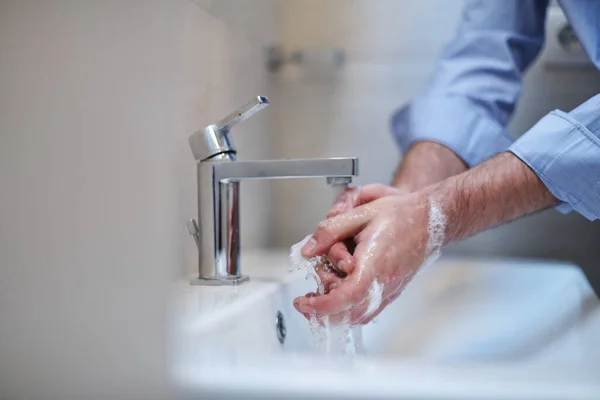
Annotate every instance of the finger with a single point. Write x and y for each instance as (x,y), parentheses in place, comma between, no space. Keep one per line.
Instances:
(344,202)
(340,257)
(325,274)
(334,302)
(332,282)
(350,292)
(354,197)
(353,290)
(353,316)
(307,295)
(334,285)
(296,301)
(336,229)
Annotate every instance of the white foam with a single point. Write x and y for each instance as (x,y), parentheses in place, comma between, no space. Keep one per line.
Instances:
(374,297)
(437,230)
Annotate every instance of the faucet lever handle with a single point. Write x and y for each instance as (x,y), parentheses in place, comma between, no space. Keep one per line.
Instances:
(214,139)
(242,114)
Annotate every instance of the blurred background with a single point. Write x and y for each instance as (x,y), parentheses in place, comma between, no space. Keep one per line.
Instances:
(97,100)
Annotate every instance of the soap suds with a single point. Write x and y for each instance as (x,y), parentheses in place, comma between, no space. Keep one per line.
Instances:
(436,231)
(374,297)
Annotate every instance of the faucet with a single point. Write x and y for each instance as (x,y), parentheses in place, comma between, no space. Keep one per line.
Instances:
(219,175)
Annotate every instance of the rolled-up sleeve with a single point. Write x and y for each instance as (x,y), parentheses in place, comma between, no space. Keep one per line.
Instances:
(476,81)
(563,149)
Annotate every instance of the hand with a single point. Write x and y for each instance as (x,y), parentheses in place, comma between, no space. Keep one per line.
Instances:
(393,239)
(425,163)
(339,261)
(395,235)
(341,253)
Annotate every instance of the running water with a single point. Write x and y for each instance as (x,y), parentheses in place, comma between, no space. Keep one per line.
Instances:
(330,339)
(345,339)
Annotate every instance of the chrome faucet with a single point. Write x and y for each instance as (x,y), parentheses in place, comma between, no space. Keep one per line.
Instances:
(219,176)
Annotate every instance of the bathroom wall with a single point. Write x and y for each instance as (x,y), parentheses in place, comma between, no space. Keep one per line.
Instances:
(391,47)
(97,99)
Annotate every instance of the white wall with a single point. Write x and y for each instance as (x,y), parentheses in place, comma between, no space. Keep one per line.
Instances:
(391,46)
(97,99)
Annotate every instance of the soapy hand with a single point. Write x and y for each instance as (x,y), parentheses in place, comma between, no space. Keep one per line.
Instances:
(394,233)
(340,254)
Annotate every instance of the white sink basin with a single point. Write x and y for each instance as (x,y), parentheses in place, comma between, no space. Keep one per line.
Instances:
(463,329)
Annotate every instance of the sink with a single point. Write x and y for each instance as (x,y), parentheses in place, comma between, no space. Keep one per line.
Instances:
(464,328)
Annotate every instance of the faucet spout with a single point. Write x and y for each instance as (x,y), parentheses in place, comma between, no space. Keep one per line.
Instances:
(345,167)
(219,174)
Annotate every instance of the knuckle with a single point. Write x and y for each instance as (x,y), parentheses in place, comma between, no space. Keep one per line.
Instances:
(325,231)
(322,226)
(337,249)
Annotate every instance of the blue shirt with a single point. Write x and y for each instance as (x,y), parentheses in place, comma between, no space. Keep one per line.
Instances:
(475,86)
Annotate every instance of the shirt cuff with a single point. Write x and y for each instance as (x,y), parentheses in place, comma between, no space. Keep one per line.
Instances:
(454,122)
(565,155)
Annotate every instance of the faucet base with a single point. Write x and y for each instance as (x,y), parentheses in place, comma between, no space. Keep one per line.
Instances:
(219,281)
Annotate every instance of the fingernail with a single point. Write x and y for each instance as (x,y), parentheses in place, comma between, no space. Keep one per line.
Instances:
(342,264)
(309,246)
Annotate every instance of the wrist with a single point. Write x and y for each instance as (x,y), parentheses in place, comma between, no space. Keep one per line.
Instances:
(426,163)
(441,199)
(499,190)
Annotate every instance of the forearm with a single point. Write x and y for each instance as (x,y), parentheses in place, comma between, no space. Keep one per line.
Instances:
(497,191)
(424,164)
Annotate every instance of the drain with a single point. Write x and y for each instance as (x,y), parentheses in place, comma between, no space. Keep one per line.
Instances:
(280,327)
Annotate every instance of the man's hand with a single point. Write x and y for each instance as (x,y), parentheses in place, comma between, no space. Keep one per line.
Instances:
(341,253)
(391,236)
(424,164)
(394,234)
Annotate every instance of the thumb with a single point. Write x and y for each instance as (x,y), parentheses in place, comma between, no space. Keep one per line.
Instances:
(355,197)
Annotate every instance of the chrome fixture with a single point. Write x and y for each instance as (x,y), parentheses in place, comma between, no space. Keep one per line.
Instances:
(219,176)
(277,58)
